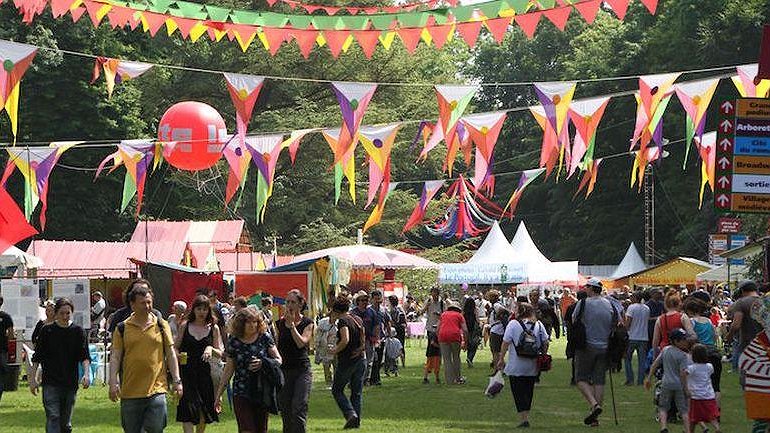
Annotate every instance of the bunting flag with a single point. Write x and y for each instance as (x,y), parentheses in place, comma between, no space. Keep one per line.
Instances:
(549,149)
(555,100)
(139,157)
(238,159)
(292,143)
(484,130)
(706,145)
(117,71)
(378,142)
(747,83)
(652,99)
(264,150)
(385,189)
(346,167)
(585,115)
(452,102)
(353,99)
(16,58)
(13,227)
(527,177)
(590,171)
(429,190)
(244,91)
(36,165)
(641,159)
(470,213)
(695,97)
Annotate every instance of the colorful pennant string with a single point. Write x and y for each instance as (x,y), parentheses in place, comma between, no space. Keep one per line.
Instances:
(429,190)
(695,97)
(117,71)
(16,58)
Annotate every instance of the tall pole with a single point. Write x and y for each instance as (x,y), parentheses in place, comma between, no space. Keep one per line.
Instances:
(649,216)
(146,235)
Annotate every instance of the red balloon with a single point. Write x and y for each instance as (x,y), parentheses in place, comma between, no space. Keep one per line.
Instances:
(196,132)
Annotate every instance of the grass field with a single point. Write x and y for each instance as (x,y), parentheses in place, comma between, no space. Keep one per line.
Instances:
(404,405)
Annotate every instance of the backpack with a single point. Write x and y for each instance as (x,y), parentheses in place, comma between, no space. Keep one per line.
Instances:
(528,345)
(576,338)
(617,343)
(122,330)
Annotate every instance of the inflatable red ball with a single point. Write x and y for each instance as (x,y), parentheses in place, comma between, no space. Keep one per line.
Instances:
(195,132)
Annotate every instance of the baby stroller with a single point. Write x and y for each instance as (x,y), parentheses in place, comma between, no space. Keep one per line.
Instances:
(656,391)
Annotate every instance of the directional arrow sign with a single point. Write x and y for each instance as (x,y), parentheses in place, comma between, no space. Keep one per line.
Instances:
(727,108)
(723,163)
(723,201)
(726,126)
(726,145)
(724,182)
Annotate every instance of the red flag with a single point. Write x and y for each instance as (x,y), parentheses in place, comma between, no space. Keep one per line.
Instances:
(439,34)
(588,9)
(469,32)
(305,40)
(558,16)
(13,227)
(620,7)
(410,36)
(335,39)
(528,23)
(498,27)
(367,39)
(651,5)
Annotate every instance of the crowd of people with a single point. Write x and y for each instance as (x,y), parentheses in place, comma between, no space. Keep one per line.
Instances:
(208,349)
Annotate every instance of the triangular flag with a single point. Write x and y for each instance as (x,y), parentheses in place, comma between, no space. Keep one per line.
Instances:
(118,16)
(706,145)
(13,227)
(16,59)
(244,91)
(484,130)
(498,27)
(469,31)
(151,22)
(293,142)
(528,22)
(620,7)
(336,39)
(748,84)
(441,34)
(585,115)
(695,97)
(588,9)
(61,7)
(527,176)
(378,142)
(410,37)
(555,98)
(275,38)
(353,99)
(305,40)
(429,190)
(367,40)
(452,102)
(651,5)
(96,11)
(117,71)
(558,16)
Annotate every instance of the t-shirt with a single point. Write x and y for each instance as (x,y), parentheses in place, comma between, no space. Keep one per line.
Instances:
(143,364)
(292,356)
(639,314)
(544,311)
(433,311)
(674,361)
(705,332)
(5,323)
(370,321)
(353,351)
(699,381)
(597,319)
(243,353)
(517,366)
(749,327)
(495,325)
(450,327)
(565,302)
(60,349)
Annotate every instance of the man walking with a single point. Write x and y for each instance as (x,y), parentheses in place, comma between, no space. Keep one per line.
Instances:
(369,320)
(743,326)
(142,349)
(591,363)
(637,317)
(382,318)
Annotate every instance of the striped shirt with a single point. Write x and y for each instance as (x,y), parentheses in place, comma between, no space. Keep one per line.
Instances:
(755,363)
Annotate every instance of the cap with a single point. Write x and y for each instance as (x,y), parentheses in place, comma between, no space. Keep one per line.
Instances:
(677,334)
(594,282)
(98,293)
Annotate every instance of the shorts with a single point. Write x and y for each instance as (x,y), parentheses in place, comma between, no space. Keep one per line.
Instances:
(703,411)
(591,365)
(675,395)
(495,342)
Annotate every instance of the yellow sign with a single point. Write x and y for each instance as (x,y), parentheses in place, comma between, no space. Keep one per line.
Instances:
(751,164)
(751,203)
(753,108)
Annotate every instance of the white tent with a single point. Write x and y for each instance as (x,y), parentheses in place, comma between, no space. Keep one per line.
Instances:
(632,263)
(16,257)
(720,274)
(493,263)
(539,268)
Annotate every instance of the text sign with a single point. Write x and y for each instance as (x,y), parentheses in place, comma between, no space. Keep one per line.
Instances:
(729,225)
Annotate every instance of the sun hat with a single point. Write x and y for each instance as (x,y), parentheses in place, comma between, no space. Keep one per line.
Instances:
(454,305)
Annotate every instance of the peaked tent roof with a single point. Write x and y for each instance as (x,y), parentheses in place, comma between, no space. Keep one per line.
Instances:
(632,263)
(539,268)
(524,247)
(495,249)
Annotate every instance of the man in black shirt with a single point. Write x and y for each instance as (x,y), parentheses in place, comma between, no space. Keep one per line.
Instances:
(6,333)
(351,361)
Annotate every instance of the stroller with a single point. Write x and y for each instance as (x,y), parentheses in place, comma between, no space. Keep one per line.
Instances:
(673,412)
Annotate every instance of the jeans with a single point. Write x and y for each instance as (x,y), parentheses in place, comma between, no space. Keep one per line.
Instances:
(641,352)
(369,350)
(58,402)
(374,377)
(353,374)
(293,399)
(143,415)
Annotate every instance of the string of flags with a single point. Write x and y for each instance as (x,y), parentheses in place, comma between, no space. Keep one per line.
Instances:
(475,135)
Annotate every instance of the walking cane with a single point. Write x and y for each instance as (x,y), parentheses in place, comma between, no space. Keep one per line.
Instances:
(612,394)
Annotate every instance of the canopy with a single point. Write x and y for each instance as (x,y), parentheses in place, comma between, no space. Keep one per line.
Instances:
(493,263)
(632,262)
(675,271)
(539,268)
(369,256)
(719,274)
(16,257)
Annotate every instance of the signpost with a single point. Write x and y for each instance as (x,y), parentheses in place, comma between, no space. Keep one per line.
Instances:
(743,156)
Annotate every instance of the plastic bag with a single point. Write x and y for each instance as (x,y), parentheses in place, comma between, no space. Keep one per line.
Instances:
(496,384)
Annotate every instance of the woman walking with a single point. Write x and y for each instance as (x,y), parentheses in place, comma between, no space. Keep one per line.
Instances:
(452,335)
(698,312)
(351,362)
(250,352)
(50,317)
(470,313)
(60,347)
(198,342)
(522,371)
(673,318)
(295,331)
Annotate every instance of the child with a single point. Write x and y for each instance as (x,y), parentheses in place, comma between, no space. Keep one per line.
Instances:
(703,403)
(433,355)
(674,359)
(392,351)
(326,334)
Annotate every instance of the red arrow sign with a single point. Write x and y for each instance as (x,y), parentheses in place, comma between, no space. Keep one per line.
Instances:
(724,182)
(727,108)
(724,163)
(723,201)
(726,145)
(726,126)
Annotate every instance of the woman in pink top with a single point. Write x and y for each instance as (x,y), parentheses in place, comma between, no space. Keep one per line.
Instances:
(452,335)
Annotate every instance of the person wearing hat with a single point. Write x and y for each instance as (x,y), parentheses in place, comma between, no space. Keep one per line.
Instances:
(743,326)
(452,335)
(754,362)
(98,310)
(674,360)
(596,314)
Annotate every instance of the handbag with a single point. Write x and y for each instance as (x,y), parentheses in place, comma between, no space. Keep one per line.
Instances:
(544,362)
(496,384)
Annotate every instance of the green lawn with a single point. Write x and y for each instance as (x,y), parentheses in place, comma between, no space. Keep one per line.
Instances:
(404,404)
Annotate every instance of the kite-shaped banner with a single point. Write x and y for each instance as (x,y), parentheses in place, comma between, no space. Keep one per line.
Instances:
(642,158)
(346,167)
(555,100)
(483,130)
(429,190)
(16,59)
(706,145)
(244,91)
(385,189)
(36,165)
(294,140)
(470,213)
(353,99)
(238,158)
(378,142)
(590,171)
(452,102)
(748,84)
(137,156)
(265,150)
(695,97)
(13,227)
(585,115)
(549,149)
(527,177)
(117,71)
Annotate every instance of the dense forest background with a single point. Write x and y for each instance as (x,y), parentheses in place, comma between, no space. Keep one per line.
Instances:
(58,103)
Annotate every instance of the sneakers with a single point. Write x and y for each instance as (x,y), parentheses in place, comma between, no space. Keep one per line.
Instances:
(353,422)
(592,417)
(664,430)
(524,424)
(425,381)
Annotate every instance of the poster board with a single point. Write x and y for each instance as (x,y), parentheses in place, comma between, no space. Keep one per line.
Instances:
(21,300)
(79,292)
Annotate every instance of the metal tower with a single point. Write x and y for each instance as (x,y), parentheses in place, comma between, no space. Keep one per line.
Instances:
(649,216)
